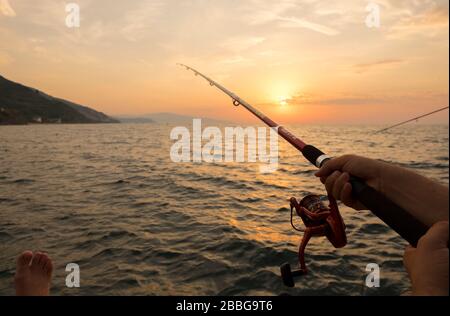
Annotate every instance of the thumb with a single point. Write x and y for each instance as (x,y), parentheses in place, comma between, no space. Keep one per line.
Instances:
(437,237)
(408,258)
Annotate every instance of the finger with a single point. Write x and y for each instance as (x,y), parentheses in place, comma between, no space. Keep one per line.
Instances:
(339,185)
(329,184)
(436,238)
(333,165)
(346,195)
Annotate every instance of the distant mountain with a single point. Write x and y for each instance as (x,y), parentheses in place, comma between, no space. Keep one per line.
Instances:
(171,118)
(135,120)
(23,105)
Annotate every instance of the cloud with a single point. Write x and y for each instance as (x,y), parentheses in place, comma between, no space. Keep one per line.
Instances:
(238,44)
(362,68)
(422,97)
(138,20)
(430,21)
(301,23)
(262,12)
(6,9)
(308,99)
(283,14)
(236,60)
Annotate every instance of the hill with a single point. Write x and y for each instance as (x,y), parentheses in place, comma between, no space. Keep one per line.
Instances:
(20,104)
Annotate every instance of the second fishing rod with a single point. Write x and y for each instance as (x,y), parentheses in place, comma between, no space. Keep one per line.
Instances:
(400,220)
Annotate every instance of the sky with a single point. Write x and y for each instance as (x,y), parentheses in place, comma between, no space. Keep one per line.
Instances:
(299,61)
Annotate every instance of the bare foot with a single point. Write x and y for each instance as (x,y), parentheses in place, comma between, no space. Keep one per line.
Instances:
(33,274)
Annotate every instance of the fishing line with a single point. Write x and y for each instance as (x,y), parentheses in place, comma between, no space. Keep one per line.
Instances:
(411,120)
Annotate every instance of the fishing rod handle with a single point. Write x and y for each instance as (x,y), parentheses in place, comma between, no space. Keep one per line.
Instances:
(400,220)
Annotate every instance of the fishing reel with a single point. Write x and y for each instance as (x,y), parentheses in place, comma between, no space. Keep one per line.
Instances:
(319,221)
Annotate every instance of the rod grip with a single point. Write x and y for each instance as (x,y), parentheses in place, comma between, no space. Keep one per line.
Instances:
(401,221)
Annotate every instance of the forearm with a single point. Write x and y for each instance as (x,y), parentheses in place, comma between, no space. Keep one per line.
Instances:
(425,199)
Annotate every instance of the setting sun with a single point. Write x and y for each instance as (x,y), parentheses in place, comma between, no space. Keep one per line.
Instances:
(284,101)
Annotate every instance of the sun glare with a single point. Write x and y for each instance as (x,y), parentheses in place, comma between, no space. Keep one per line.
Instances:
(284,101)
(280,92)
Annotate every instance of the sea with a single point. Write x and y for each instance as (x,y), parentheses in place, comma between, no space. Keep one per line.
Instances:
(110,199)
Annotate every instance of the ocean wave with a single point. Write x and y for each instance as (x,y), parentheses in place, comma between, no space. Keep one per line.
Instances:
(23,181)
(5,237)
(424,165)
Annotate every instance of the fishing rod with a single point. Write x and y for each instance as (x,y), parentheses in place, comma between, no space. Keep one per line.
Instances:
(411,120)
(401,221)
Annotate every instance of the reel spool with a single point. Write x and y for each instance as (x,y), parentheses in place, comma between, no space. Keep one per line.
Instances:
(320,221)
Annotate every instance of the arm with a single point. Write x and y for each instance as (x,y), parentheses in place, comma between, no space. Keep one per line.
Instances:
(425,199)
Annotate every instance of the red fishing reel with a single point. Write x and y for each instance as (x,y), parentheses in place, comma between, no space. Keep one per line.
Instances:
(320,221)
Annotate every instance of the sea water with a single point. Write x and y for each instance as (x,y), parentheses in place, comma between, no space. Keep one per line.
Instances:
(110,199)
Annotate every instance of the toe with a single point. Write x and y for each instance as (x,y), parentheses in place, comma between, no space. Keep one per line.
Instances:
(24,259)
(37,259)
(48,267)
(44,260)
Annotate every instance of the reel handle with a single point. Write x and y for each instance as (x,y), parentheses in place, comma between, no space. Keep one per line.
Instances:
(397,218)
